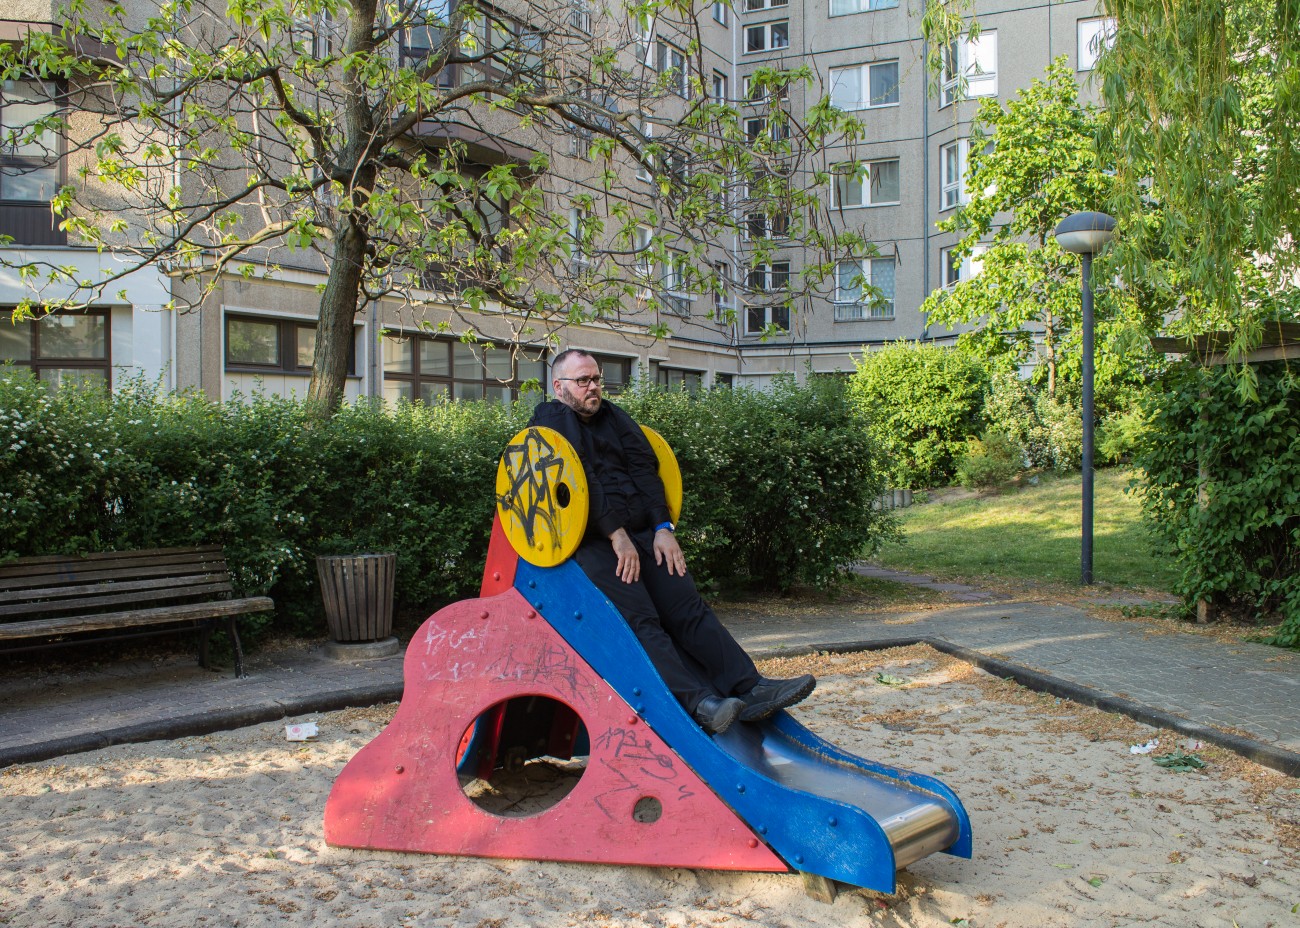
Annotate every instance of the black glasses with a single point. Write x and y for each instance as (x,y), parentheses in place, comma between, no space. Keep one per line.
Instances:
(586,380)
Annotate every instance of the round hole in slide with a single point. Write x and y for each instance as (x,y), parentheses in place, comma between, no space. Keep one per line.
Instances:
(523,755)
(647,810)
(563,495)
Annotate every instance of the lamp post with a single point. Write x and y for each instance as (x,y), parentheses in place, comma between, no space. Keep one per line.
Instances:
(1085,234)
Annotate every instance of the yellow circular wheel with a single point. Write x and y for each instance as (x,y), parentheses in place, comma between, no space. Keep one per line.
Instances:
(669,473)
(542,496)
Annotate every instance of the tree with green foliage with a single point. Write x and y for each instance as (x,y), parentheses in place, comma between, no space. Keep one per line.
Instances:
(1033,161)
(921,403)
(414,153)
(1202,119)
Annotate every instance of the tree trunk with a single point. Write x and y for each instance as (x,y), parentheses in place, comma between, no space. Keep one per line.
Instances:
(338,311)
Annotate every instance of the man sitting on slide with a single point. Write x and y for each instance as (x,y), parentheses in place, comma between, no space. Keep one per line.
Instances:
(632,556)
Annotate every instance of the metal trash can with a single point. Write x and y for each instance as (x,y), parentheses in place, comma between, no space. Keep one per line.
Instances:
(357,591)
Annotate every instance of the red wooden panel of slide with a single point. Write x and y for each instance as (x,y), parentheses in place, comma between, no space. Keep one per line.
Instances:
(401,792)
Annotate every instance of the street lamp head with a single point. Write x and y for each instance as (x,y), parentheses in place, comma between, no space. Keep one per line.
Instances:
(1085,233)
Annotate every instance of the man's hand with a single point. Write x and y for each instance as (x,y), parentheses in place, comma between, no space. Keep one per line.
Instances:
(629,560)
(669,552)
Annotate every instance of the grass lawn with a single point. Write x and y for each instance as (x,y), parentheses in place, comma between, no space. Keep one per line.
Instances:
(1031,533)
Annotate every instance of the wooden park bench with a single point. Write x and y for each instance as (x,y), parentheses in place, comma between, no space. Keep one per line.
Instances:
(165,590)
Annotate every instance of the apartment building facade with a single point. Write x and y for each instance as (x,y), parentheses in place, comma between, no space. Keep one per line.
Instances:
(255,331)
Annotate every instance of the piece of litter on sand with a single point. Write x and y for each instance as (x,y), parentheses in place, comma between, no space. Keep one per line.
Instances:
(1191,744)
(300,731)
(1144,748)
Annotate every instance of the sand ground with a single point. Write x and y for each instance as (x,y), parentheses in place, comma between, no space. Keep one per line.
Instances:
(1070,828)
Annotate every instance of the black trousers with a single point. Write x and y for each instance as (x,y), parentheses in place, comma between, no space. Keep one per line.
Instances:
(691,649)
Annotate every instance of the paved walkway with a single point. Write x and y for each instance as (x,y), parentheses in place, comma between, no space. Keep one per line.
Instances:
(1243,696)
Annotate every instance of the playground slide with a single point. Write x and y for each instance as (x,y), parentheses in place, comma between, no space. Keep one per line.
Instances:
(821,809)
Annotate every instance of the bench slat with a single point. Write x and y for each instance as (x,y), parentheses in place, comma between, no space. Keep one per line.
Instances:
(139,554)
(71,568)
(68,607)
(87,577)
(110,587)
(160,616)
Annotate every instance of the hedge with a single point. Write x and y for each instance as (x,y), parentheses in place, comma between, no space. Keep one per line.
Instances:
(922,402)
(769,503)
(1237,534)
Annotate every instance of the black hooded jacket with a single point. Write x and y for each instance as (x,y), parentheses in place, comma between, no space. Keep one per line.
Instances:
(622,469)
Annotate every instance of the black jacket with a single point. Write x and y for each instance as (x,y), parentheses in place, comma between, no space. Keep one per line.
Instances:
(621,467)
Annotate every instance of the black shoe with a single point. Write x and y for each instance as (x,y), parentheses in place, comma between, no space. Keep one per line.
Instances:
(715,714)
(770,696)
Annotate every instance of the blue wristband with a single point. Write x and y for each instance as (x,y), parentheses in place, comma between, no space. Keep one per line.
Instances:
(667,525)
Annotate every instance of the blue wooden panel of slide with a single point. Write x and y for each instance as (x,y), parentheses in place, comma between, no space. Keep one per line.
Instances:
(811,833)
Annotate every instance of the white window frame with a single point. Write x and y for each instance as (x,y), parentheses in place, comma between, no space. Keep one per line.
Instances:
(758,6)
(720,89)
(851,307)
(952,189)
(865,186)
(970,69)
(642,172)
(862,101)
(766,30)
(850,7)
(1095,35)
(759,225)
(969,268)
(645,263)
(677,297)
(720,12)
(723,298)
(580,15)
(771,314)
(670,58)
(579,258)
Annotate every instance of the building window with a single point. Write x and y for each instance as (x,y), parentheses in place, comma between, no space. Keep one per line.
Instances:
(1095,36)
(676,296)
(753,6)
(765,279)
(952,174)
(767,37)
(671,63)
(875,183)
(645,262)
(758,318)
(579,257)
(853,302)
(59,348)
(844,7)
(865,86)
(761,225)
(674,378)
(719,91)
(956,270)
(580,15)
(720,12)
(970,68)
(755,92)
(616,371)
(30,163)
(643,170)
(724,380)
(430,369)
(723,302)
(761,127)
(262,345)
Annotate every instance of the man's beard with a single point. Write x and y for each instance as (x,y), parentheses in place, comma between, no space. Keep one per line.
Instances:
(585,405)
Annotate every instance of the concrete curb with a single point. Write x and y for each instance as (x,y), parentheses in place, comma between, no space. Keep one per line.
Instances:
(1266,755)
(200,723)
